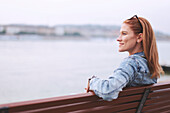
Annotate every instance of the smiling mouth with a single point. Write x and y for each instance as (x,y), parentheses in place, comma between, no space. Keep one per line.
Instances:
(120,44)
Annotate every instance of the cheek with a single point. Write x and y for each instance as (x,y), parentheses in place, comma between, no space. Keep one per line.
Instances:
(131,43)
(129,39)
(125,39)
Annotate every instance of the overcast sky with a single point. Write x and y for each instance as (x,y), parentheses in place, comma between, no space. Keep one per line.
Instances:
(103,12)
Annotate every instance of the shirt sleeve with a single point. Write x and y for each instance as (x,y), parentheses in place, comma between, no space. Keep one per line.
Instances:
(109,89)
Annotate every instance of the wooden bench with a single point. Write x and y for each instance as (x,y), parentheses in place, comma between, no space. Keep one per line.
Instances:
(151,99)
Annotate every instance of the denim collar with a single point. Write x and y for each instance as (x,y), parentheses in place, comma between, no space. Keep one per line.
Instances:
(140,54)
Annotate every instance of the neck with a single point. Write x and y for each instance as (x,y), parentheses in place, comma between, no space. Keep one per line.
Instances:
(135,52)
(137,49)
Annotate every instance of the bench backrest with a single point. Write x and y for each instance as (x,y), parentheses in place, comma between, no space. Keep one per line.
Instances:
(152,98)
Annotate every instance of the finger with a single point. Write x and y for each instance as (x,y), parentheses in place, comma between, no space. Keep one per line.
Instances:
(92,92)
(87,90)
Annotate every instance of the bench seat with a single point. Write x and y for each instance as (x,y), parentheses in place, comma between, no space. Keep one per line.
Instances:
(150,99)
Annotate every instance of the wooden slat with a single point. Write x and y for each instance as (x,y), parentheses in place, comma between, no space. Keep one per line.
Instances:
(87,102)
(62,99)
(165,109)
(168,111)
(128,111)
(55,101)
(156,105)
(159,93)
(118,108)
(157,99)
(64,109)
(118,101)
(122,100)
(160,86)
(50,102)
(132,90)
(109,109)
(87,105)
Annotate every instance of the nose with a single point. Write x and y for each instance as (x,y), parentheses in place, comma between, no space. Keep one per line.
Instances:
(119,38)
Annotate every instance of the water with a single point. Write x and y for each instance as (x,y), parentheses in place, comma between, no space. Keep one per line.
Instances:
(41,69)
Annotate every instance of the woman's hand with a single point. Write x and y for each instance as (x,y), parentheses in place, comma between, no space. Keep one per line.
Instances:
(88,87)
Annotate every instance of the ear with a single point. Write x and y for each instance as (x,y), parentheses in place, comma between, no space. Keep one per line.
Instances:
(140,37)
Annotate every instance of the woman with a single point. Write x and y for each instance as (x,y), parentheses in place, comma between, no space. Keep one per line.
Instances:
(141,67)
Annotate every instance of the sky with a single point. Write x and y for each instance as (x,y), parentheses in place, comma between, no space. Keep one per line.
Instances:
(78,12)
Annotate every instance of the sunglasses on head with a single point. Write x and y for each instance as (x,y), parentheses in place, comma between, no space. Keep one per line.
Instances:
(135,16)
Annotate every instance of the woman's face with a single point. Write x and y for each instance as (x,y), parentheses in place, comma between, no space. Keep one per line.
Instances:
(127,39)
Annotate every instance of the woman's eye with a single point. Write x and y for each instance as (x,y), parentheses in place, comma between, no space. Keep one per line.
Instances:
(123,33)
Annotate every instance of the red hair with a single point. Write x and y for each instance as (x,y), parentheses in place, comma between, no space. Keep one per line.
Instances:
(148,43)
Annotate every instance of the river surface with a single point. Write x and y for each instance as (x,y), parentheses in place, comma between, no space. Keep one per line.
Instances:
(41,69)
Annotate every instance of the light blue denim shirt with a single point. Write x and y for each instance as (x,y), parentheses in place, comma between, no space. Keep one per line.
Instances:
(133,71)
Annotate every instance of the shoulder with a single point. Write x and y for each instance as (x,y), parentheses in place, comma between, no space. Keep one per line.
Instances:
(137,62)
(131,60)
(128,67)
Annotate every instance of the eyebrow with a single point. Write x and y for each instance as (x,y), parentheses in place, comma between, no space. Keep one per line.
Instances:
(123,32)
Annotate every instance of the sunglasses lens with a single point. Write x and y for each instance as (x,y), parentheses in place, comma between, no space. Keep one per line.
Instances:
(135,16)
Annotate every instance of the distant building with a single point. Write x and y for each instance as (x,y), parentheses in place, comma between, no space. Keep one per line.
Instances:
(68,30)
(59,31)
(62,30)
(12,30)
(27,29)
(1,28)
(86,30)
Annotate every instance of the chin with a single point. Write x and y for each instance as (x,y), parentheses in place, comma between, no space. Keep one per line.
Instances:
(120,50)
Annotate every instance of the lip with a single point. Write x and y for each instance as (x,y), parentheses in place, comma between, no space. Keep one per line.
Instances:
(120,44)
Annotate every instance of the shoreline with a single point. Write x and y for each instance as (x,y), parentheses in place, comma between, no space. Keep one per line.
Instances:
(36,37)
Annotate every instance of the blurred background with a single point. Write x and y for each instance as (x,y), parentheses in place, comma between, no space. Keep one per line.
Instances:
(50,48)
